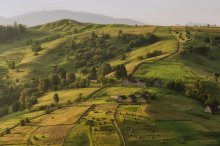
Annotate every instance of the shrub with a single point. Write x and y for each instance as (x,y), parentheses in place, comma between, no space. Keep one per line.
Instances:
(140,57)
(22,122)
(42,107)
(27,120)
(7,131)
(36,47)
(154,54)
(177,85)
(11,65)
(90,122)
(47,111)
(15,106)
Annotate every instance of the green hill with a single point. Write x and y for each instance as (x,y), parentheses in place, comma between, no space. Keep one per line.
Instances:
(71,83)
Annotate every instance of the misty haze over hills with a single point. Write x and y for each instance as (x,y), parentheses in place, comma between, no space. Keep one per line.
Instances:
(37,18)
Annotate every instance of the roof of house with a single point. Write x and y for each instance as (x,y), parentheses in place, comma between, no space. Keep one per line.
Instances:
(122,97)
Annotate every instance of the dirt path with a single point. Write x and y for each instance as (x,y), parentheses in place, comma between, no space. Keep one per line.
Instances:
(143,110)
(172,54)
(117,127)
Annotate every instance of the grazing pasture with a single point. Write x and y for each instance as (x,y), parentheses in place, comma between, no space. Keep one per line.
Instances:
(166,70)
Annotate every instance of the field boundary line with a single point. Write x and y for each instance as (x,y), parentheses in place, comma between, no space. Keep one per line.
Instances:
(117,127)
(90,136)
(74,125)
(52,110)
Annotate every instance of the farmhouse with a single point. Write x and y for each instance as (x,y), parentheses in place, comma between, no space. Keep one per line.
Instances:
(122,98)
(115,97)
(131,98)
(143,100)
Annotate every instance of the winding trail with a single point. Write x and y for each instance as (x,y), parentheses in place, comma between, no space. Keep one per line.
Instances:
(177,50)
(117,127)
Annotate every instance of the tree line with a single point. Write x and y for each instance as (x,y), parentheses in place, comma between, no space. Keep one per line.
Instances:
(11,31)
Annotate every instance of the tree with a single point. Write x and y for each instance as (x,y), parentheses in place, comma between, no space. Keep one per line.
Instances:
(171,85)
(16,106)
(104,69)
(27,120)
(104,81)
(55,81)
(7,131)
(44,85)
(36,47)
(216,76)
(4,110)
(120,32)
(28,105)
(93,74)
(70,77)
(121,72)
(22,122)
(21,29)
(56,98)
(93,35)
(62,73)
(177,85)
(123,57)
(11,31)
(81,83)
(11,65)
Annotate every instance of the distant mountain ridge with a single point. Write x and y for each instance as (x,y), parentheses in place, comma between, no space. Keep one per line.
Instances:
(3,20)
(199,24)
(42,17)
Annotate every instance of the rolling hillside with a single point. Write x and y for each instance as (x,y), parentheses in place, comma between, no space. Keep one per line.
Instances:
(76,83)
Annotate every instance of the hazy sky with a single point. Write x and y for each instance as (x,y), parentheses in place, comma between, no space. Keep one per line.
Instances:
(148,11)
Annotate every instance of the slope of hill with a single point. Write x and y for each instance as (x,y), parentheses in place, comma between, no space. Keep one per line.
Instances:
(37,18)
(90,84)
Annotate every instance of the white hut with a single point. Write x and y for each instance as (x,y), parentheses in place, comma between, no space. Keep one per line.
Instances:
(208,110)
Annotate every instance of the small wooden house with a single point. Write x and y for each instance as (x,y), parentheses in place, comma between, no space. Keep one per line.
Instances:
(131,99)
(208,110)
(142,100)
(122,98)
(115,97)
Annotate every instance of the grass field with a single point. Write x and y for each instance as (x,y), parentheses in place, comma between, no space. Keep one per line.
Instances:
(13,119)
(53,127)
(65,95)
(167,45)
(166,70)
(18,136)
(65,116)
(134,124)
(132,60)
(46,129)
(97,128)
(171,120)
